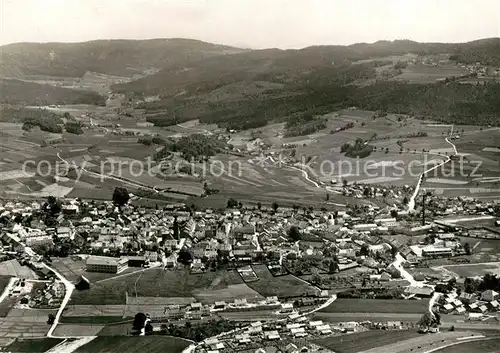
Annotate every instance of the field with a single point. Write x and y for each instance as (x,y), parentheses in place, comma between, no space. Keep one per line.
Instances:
(282,286)
(420,73)
(150,344)
(154,283)
(473,270)
(4,281)
(93,320)
(421,344)
(10,328)
(485,346)
(37,345)
(77,330)
(15,269)
(377,306)
(357,342)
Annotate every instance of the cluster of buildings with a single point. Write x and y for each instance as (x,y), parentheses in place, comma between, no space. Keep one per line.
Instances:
(475,306)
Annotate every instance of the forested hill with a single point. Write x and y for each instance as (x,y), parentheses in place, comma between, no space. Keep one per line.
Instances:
(114,57)
(252,88)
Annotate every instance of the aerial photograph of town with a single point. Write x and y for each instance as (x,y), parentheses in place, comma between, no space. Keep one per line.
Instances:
(249,176)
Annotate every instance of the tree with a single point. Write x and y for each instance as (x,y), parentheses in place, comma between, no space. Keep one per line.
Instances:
(467,248)
(275,206)
(394,214)
(364,251)
(232,203)
(53,205)
(344,182)
(121,196)
(148,329)
(333,267)
(405,200)
(185,257)
(426,320)
(51,319)
(294,233)
(259,206)
(139,321)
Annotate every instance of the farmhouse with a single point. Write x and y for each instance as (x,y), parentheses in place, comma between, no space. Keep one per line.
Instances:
(106,264)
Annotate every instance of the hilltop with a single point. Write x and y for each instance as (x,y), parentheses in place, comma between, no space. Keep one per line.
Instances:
(249,89)
(114,57)
(176,80)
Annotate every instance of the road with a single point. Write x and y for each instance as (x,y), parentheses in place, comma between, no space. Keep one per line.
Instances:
(398,264)
(193,347)
(68,346)
(122,180)
(69,290)
(8,288)
(411,203)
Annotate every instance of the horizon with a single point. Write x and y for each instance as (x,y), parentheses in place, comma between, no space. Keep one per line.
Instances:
(241,47)
(256,24)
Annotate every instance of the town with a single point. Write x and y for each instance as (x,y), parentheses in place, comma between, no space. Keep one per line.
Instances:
(367,253)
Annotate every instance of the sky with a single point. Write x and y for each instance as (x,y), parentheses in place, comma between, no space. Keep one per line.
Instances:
(250,23)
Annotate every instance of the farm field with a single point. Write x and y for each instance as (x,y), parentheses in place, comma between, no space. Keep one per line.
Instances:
(473,270)
(77,330)
(15,269)
(377,306)
(36,345)
(229,294)
(93,320)
(10,328)
(422,343)
(485,346)
(420,73)
(281,286)
(4,281)
(93,310)
(154,283)
(150,344)
(357,342)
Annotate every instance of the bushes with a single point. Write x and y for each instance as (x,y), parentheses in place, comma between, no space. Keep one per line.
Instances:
(73,128)
(358,150)
(304,126)
(49,123)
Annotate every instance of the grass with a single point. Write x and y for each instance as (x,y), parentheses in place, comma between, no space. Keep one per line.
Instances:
(38,345)
(485,346)
(474,270)
(150,344)
(282,286)
(358,342)
(93,319)
(154,283)
(377,306)
(4,281)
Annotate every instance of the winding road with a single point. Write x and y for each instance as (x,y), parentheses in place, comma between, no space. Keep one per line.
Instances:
(411,203)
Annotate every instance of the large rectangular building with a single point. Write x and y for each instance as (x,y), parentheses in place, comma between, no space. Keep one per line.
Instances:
(106,264)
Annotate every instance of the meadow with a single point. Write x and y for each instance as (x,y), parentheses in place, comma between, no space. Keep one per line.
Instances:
(376,306)
(154,283)
(357,342)
(150,344)
(474,270)
(281,286)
